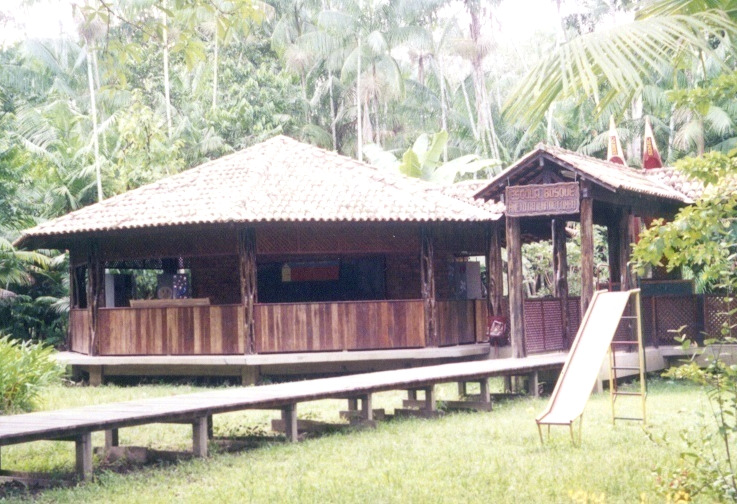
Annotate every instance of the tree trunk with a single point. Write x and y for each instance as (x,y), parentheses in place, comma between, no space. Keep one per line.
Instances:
(165,36)
(95,293)
(514,277)
(427,258)
(587,249)
(215,67)
(560,272)
(359,105)
(332,111)
(247,262)
(93,113)
(494,271)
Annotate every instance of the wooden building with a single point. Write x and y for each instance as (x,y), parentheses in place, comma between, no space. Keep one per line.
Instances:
(280,254)
(551,187)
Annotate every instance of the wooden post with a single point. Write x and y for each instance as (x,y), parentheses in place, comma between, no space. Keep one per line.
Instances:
(95,292)
(96,376)
(612,238)
(560,271)
(533,384)
(249,375)
(514,276)
(289,415)
(494,271)
(461,389)
(83,449)
(199,437)
(367,412)
(430,399)
(625,275)
(427,256)
(587,247)
(484,393)
(111,438)
(247,261)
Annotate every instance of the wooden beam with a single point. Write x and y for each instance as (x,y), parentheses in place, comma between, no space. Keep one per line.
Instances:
(494,270)
(514,277)
(83,450)
(587,248)
(624,249)
(427,257)
(560,272)
(95,293)
(199,437)
(247,262)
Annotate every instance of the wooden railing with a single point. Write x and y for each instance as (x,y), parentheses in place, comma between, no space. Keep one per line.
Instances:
(79,330)
(461,321)
(200,330)
(345,325)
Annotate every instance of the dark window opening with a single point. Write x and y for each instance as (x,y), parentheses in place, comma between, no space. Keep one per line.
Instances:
(300,281)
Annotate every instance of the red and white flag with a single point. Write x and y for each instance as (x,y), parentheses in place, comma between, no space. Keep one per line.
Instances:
(614,152)
(650,155)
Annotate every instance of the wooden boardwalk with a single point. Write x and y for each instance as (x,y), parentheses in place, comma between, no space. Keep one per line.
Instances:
(78,424)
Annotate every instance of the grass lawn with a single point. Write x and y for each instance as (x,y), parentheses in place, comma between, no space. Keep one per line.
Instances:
(462,457)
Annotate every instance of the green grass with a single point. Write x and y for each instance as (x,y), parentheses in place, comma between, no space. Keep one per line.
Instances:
(462,457)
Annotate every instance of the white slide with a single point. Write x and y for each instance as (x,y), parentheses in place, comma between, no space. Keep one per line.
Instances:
(582,366)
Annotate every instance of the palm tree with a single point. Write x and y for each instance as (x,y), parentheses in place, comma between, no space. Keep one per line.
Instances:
(621,60)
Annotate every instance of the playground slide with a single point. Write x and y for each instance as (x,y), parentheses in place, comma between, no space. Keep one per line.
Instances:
(588,351)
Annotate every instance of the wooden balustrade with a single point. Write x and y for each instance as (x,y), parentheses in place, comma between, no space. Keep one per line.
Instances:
(279,327)
(349,325)
(79,330)
(457,322)
(194,330)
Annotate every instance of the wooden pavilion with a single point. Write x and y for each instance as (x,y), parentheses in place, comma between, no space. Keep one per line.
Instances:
(550,187)
(279,254)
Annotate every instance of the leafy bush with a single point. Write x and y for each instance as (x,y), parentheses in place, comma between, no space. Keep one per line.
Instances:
(25,369)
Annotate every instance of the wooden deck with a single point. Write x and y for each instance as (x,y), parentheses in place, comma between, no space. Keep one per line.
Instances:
(78,424)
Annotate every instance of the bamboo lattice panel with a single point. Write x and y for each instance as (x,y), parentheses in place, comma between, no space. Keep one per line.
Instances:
(716,314)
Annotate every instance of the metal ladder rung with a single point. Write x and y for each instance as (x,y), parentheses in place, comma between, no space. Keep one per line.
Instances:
(626,368)
(637,419)
(627,393)
(623,342)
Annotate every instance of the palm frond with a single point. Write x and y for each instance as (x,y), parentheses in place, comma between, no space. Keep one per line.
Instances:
(615,60)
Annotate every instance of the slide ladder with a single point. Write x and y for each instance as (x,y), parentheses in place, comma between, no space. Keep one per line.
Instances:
(594,339)
(640,368)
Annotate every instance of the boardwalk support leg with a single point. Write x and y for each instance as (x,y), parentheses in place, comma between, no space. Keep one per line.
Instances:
(199,437)
(289,416)
(111,438)
(83,449)
(462,391)
(533,385)
(430,399)
(367,413)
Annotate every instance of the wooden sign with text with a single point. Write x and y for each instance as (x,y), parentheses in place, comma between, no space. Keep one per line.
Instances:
(543,199)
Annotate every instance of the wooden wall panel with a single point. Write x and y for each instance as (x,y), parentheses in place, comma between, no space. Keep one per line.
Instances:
(312,327)
(200,330)
(481,316)
(456,322)
(337,238)
(79,327)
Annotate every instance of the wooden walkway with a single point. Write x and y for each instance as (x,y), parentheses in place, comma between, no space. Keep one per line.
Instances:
(78,424)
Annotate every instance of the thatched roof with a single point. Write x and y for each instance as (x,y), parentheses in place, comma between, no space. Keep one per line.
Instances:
(611,176)
(279,180)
